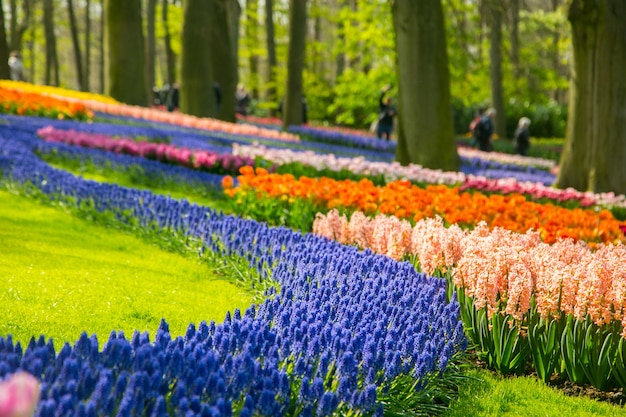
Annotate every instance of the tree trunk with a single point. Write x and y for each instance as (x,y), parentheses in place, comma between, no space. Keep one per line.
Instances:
(52,59)
(341,40)
(150,47)
(425,130)
(196,91)
(292,108)
(18,29)
(87,63)
(126,80)
(252,39)
(271,54)
(595,147)
(495,66)
(170,57)
(101,48)
(78,59)
(223,56)
(5,72)
(515,38)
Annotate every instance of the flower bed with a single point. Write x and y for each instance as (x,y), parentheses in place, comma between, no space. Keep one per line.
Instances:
(36,104)
(405,200)
(558,308)
(208,161)
(296,354)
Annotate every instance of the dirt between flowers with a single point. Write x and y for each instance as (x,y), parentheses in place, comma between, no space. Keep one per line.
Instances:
(616,396)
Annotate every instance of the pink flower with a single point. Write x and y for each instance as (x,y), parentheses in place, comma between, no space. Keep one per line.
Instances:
(19,395)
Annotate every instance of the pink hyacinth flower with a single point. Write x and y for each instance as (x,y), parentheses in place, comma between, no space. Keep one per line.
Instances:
(19,395)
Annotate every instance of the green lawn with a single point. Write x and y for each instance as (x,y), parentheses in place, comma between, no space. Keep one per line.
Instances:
(492,396)
(61,275)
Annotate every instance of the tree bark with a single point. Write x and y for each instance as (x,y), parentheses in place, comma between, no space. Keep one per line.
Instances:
(196,90)
(18,29)
(341,40)
(495,66)
(595,147)
(425,130)
(87,63)
(5,72)
(514,4)
(271,54)
(170,57)
(150,47)
(252,39)
(126,79)
(102,73)
(292,108)
(52,59)
(223,55)
(78,59)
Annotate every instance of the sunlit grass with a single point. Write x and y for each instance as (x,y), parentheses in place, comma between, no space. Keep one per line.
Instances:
(488,395)
(61,275)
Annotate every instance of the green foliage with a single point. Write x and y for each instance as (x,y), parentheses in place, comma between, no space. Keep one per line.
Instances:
(588,352)
(356,96)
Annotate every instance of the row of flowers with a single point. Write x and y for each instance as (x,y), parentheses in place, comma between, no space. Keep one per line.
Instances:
(501,270)
(392,171)
(558,308)
(296,354)
(95,104)
(408,201)
(18,102)
(58,92)
(204,160)
(358,140)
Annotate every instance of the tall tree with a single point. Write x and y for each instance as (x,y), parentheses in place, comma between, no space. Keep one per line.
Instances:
(4,47)
(425,132)
(102,73)
(78,59)
(271,53)
(87,63)
(52,58)
(595,147)
(495,65)
(19,28)
(292,109)
(126,79)
(196,91)
(340,57)
(252,37)
(514,10)
(224,27)
(170,57)
(150,45)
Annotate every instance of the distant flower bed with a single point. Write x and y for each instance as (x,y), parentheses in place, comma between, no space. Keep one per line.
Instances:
(36,104)
(205,160)
(405,200)
(55,91)
(185,120)
(394,171)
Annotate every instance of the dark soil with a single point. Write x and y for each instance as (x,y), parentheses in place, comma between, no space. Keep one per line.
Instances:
(614,396)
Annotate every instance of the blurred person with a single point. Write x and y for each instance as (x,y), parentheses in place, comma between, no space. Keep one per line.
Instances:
(242,100)
(386,113)
(522,136)
(16,66)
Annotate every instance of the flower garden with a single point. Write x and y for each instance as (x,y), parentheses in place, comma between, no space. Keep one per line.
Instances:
(376,278)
